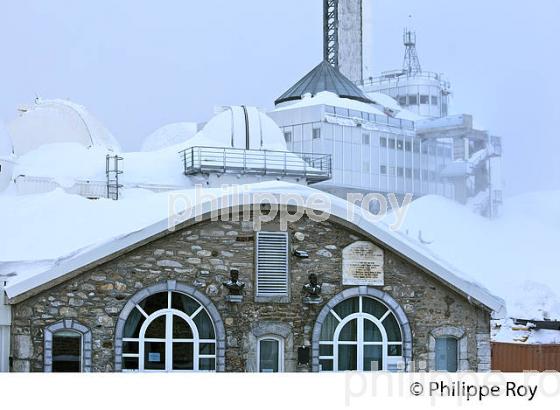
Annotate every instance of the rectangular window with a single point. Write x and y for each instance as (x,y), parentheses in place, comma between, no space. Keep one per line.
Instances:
(408,173)
(416,147)
(272,263)
(383,169)
(424,99)
(391,143)
(383,142)
(402,100)
(400,172)
(412,99)
(316,133)
(365,139)
(391,171)
(400,145)
(408,146)
(288,136)
(446,354)
(434,100)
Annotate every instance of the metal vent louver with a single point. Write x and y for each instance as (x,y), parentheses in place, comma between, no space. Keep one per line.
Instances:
(272,264)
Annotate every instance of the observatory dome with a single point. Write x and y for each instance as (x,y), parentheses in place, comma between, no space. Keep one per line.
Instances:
(58,121)
(169,135)
(241,127)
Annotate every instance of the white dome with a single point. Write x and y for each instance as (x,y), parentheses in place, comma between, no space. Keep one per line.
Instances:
(229,129)
(58,121)
(169,135)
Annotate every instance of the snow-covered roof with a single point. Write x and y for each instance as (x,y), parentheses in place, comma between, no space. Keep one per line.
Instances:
(169,135)
(324,77)
(54,121)
(106,227)
(514,255)
(331,99)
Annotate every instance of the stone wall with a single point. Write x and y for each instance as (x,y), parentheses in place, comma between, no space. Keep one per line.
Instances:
(201,256)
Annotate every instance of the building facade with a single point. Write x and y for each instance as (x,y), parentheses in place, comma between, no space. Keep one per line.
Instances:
(163,305)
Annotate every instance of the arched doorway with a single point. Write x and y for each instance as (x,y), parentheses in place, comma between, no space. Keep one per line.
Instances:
(361,333)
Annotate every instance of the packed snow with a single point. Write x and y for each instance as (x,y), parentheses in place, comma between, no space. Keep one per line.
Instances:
(169,135)
(331,99)
(514,255)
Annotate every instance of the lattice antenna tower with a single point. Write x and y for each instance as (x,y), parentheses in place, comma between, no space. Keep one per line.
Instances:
(330,32)
(411,64)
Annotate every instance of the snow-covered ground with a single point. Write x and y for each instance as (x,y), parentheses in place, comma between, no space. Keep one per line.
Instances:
(514,256)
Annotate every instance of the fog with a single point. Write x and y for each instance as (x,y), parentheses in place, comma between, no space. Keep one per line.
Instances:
(139,64)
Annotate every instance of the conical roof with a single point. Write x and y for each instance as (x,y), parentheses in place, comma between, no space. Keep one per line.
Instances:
(324,77)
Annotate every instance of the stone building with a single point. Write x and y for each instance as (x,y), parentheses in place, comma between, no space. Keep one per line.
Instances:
(156,300)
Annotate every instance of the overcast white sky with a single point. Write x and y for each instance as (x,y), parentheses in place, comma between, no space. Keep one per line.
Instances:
(140,64)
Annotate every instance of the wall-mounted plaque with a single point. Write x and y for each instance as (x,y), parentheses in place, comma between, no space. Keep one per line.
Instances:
(362,264)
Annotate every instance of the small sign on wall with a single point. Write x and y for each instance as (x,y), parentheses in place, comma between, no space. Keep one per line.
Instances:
(362,264)
(154,357)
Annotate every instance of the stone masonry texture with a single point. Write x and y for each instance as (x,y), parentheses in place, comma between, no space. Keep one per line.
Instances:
(201,256)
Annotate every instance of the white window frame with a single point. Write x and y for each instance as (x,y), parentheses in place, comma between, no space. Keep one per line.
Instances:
(280,341)
(169,312)
(361,316)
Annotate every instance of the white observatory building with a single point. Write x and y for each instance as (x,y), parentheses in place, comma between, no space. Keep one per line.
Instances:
(390,133)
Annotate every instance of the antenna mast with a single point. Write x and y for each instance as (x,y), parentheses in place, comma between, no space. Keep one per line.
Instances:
(411,64)
(330,32)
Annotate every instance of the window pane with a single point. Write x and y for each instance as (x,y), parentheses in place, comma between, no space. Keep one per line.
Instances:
(207,364)
(392,328)
(268,360)
(395,350)
(133,324)
(373,307)
(326,365)
(373,354)
(183,356)
(130,363)
(181,329)
(204,325)
(347,307)
(67,347)
(371,332)
(154,303)
(207,348)
(328,328)
(347,357)
(130,347)
(154,356)
(184,303)
(349,332)
(325,350)
(156,330)
(446,354)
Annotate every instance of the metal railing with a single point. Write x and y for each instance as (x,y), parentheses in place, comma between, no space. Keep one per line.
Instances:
(206,160)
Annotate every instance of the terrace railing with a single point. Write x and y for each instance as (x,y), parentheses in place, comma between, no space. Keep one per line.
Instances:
(207,160)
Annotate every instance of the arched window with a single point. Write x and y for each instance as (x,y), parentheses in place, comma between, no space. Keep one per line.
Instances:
(360,333)
(67,351)
(270,353)
(67,347)
(169,331)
